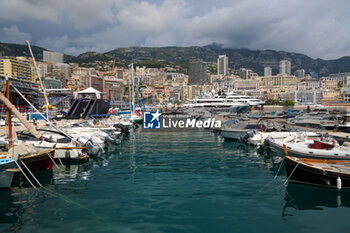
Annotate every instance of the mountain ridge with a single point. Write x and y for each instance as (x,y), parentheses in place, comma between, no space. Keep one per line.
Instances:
(177,55)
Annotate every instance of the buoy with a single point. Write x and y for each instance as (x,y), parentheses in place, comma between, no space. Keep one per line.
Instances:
(339,183)
(111,111)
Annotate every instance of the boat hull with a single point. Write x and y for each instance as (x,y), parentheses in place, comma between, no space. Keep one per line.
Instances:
(345,129)
(39,161)
(305,174)
(6,179)
(5,175)
(232,135)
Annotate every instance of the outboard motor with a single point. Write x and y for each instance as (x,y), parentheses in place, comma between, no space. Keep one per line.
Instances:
(106,137)
(246,136)
(92,149)
(265,145)
(122,128)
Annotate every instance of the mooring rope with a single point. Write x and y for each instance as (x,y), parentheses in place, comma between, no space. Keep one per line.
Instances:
(48,154)
(19,167)
(55,194)
(274,178)
(30,172)
(291,173)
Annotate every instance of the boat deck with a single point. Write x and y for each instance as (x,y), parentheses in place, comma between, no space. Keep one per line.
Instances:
(336,166)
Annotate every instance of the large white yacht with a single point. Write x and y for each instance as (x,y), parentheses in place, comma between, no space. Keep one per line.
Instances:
(230,102)
(251,100)
(219,104)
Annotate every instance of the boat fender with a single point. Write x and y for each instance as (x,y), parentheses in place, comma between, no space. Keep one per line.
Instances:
(338,183)
(111,111)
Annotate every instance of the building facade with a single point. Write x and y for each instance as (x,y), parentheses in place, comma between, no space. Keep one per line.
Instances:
(52,57)
(223,65)
(15,68)
(197,72)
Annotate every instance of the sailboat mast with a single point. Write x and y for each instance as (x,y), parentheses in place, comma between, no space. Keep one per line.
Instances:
(9,120)
(41,83)
(132,88)
(129,88)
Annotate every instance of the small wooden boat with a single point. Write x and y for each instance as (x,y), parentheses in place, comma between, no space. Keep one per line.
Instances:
(328,173)
(39,160)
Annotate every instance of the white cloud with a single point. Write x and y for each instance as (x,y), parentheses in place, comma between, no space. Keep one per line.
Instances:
(12,34)
(82,14)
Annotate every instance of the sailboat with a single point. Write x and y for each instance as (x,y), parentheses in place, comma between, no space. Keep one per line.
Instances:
(7,162)
(29,156)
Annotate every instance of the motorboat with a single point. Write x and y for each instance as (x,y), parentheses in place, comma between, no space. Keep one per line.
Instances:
(310,147)
(259,137)
(236,129)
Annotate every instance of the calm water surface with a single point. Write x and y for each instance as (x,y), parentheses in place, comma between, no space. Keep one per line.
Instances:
(173,181)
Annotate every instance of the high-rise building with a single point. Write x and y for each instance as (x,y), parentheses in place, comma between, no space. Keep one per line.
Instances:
(15,68)
(53,57)
(285,67)
(222,65)
(267,71)
(197,72)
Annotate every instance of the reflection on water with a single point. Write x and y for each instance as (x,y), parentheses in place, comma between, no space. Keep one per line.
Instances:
(304,197)
(167,181)
(70,172)
(17,205)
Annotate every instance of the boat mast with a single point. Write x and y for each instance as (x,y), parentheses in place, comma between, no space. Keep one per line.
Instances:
(9,120)
(129,89)
(41,83)
(132,88)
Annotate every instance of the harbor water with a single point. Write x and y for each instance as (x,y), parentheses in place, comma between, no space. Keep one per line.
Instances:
(173,180)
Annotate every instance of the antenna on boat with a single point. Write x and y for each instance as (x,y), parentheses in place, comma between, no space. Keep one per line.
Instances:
(41,83)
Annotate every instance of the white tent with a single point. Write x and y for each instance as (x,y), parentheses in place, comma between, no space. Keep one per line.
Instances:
(90,91)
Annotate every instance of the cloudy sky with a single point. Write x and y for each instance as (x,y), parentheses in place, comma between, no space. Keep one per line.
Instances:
(318,28)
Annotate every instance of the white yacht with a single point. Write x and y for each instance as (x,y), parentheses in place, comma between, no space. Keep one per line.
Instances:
(251,100)
(216,104)
(230,102)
